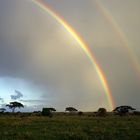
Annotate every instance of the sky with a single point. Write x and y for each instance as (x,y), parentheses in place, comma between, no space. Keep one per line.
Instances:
(41,64)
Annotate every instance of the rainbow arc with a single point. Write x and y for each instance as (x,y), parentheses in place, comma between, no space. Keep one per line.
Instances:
(82,44)
(120,34)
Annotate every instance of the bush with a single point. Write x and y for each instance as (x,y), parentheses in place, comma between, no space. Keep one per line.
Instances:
(47,112)
(137,113)
(80,113)
(102,112)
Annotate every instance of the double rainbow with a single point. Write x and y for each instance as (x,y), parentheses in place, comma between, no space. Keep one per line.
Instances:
(106,14)
(83,46)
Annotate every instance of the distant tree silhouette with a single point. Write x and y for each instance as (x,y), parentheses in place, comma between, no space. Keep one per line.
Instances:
(71,109)
(2,110)
(14,105)
(101,112)
(48,111)
(123,110)
(80,113)
(137,113)
(52,109)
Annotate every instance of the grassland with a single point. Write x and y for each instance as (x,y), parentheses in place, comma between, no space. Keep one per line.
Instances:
(61,127)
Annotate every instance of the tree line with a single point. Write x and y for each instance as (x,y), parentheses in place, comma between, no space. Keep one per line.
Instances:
(120,110)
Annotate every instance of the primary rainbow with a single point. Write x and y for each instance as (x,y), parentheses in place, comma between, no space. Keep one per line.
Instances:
(119,32)
(83,46)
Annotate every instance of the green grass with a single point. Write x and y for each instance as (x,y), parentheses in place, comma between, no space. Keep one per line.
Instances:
(69,128)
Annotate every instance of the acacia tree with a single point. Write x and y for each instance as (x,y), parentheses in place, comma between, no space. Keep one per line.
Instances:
(123,110)
(14,105)
(48,111)
(71,109)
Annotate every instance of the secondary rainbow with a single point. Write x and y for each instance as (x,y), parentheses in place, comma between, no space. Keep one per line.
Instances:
(83,46)
(119,32)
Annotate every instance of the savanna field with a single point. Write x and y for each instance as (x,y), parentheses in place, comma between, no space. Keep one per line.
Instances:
(67,127)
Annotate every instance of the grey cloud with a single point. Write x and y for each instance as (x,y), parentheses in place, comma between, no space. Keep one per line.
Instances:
(18,95)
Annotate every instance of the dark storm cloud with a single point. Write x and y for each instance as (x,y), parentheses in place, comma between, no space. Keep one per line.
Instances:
(18,95)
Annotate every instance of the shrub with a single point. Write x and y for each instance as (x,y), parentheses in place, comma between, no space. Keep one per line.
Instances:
(137,113)
(80,113)
(46,112)
(102,112)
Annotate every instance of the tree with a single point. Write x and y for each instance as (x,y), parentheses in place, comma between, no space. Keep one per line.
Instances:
(123,110)
(2,110)
(14,105)
(48,111)
(101,112)
(52,109)
(71,109)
